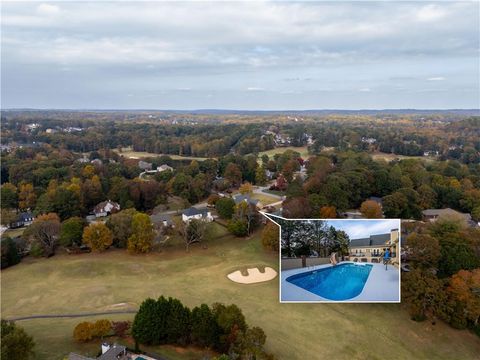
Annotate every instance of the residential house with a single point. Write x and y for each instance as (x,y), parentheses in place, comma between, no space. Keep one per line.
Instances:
(83,160)
(112,352)
(372,248)
(432,215)
(164,167)
(144,165)
(269,174)
(106,208)
(23,219)
(369,140)
(246,198)
(162,219)
(195,213)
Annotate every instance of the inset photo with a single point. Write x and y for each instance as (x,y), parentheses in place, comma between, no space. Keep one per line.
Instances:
(331,260)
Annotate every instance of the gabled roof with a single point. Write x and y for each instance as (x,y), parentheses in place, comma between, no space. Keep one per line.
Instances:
(25,216)
(73,356)
(112,353)
(101,206)
(192,211)
(240,197)
(379,239)
(161,218)
(373,240)
(447,211)
(360,242)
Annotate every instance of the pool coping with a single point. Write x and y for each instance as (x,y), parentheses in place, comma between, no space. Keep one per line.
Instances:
(381,286)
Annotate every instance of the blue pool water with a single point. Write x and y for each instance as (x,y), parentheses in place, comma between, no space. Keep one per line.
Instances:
(341,282)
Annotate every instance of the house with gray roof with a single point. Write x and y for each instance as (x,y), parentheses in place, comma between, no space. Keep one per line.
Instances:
(162,219)
(432,215)
(240,197)
(374,246)
(195,213)
(112,352)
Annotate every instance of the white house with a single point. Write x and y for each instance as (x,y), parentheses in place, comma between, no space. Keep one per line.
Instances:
(199,214)
(106,208)
(164,167)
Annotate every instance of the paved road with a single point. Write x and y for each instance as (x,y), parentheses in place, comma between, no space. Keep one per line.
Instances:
(55,316)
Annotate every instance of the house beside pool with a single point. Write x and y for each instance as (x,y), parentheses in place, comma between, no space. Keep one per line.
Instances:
(112,352)
(372,248)
(198,214)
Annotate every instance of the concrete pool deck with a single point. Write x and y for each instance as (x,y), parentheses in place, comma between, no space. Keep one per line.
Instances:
(381,286)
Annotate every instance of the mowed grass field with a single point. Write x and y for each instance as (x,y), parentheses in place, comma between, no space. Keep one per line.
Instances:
(96,282)
(280,150)
(389,157)
(130,154)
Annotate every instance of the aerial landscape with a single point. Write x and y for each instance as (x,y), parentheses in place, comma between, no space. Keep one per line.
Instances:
(205,180)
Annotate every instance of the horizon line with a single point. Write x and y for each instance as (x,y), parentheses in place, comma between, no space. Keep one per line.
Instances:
(232,110)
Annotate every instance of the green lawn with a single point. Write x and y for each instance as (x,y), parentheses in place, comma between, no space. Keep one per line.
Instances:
(131,154)
(265,199)
(13,232)
(280,150)
(389,157)
(95,282)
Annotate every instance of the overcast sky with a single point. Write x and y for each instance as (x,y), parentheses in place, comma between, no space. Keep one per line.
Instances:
(358,229)
(250,55)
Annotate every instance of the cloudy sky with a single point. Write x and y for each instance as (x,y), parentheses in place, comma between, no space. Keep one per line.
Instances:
(242,55)
(357,229)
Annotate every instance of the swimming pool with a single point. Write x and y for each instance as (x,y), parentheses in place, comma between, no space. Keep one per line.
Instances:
(341,282)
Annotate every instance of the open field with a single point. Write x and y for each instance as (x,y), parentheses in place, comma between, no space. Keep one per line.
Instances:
(129,153)
(280,150)
(95,282)
(265,199)
(390,157)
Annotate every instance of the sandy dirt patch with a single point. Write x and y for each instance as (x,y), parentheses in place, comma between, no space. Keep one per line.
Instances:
(254,276)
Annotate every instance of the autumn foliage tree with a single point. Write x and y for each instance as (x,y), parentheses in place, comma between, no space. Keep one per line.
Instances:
(101,328)
(270,236)
(233,174)
(371,209)
(97,236)
(83,332)
(86,331)
(26,196)
(45,230)
(463,291)
(328,212)
(143,233)
(246,188)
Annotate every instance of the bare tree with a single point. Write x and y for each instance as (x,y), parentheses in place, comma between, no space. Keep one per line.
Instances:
(192,231)
(45,229)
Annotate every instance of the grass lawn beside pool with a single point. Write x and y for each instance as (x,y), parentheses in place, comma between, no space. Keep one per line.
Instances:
(95,282)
